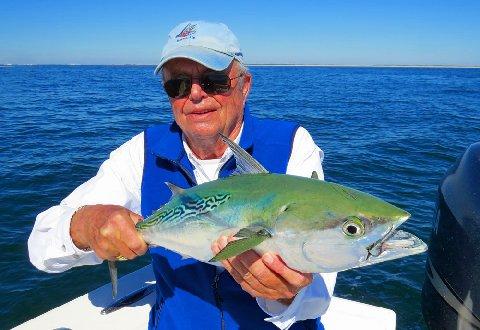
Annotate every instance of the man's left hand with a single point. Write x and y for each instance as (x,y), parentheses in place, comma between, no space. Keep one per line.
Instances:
(264,276)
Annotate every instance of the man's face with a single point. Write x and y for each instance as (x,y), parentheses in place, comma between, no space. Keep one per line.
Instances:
(201,115)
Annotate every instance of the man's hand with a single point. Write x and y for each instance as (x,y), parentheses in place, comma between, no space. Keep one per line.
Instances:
(264,276)
(109,230)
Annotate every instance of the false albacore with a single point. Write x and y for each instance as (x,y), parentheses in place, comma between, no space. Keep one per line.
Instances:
(313,225)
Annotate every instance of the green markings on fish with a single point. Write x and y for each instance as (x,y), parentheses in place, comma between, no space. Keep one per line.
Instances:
(192,206)
(315,226)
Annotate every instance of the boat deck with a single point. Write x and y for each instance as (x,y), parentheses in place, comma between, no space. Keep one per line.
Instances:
(84,311)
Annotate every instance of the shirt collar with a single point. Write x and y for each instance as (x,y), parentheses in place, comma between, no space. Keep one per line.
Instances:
(197,161)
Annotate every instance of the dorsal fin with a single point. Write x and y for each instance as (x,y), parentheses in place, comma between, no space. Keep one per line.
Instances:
(314,175)
(245,162)
(176,190)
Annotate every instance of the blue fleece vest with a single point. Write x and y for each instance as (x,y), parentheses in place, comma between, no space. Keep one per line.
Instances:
(190,294)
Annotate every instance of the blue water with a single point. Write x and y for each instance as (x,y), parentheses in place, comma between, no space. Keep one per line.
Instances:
(390,132)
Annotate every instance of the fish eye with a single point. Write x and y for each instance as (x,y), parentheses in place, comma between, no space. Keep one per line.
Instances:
(353,227)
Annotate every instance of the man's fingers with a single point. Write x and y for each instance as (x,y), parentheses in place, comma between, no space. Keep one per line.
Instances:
(102,247)
(124,250)
(239,277)
(118,236)
(138,245)
(134,241)
(240,267)
(243,265)
(269,278)
(251,264)
(224,240)
(106,231)
(238,272)
(255,265)
(293,277)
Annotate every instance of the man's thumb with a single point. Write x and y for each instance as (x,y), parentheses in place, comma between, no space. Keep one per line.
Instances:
(136,218)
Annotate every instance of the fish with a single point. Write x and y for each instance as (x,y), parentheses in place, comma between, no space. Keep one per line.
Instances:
(315,226)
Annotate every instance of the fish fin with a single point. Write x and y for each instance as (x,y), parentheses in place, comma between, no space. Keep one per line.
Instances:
(176,190)
(249,238)
(245,162)
(112,268)
(314,175)
(343,191)
(237,172)
(251,231)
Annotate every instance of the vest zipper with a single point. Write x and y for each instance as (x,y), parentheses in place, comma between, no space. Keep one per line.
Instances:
(190,176)
(218,298)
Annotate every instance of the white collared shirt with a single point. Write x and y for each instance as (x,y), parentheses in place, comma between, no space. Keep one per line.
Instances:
(118,182)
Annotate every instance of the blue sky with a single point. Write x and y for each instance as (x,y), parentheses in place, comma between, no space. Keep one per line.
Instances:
(387,32)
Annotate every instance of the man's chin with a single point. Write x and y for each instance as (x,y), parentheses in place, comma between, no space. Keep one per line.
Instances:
(201,130)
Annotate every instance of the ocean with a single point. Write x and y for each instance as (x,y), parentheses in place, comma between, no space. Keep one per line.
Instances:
(392,132)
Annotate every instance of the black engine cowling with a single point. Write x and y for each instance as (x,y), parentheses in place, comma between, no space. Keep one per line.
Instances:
(451,292)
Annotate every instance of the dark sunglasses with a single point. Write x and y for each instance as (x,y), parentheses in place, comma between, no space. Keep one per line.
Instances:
(211,82)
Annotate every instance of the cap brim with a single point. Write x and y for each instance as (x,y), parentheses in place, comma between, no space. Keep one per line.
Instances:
(207,57)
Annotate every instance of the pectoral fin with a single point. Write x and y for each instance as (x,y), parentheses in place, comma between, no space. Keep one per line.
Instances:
(249,239)
(252,231)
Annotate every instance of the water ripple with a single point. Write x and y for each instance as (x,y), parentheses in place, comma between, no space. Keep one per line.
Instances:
(390,132)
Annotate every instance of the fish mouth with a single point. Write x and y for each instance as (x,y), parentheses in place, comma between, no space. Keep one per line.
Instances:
(376,248)
(393,245)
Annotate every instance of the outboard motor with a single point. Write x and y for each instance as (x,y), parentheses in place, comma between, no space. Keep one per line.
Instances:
(451,292)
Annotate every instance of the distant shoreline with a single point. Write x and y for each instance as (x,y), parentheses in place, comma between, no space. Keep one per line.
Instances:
(427,66)
(371,66)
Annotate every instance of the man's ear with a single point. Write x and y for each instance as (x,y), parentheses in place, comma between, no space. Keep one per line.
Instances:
(247,83)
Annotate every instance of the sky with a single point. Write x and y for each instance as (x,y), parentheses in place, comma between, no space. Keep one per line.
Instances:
(357,32)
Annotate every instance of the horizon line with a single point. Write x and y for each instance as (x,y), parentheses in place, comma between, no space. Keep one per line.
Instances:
(273,65)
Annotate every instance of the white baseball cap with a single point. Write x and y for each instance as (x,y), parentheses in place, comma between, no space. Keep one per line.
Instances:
(210,44)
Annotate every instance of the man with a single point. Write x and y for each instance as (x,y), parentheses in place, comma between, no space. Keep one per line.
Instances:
(207,84)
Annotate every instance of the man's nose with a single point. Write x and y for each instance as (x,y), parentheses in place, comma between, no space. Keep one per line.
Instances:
(197,93)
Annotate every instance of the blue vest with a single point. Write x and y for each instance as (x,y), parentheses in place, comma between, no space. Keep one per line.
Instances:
(190,294)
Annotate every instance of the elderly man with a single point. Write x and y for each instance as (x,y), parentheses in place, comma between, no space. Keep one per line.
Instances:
(207,84)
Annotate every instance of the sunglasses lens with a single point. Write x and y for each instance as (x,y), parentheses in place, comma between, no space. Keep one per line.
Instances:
(212,83)
(215,83)
(177,87)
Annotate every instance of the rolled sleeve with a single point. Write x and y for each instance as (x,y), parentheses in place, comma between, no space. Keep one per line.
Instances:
(310,303)
(117,182)
(50,245)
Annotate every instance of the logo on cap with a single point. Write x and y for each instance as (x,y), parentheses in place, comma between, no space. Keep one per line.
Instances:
(187,31)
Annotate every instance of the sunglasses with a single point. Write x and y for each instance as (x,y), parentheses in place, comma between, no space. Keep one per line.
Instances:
(212,82)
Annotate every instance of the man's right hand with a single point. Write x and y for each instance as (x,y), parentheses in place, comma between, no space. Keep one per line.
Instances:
(109,230)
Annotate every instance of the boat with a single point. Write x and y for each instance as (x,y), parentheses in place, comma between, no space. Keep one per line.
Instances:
(85,312)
